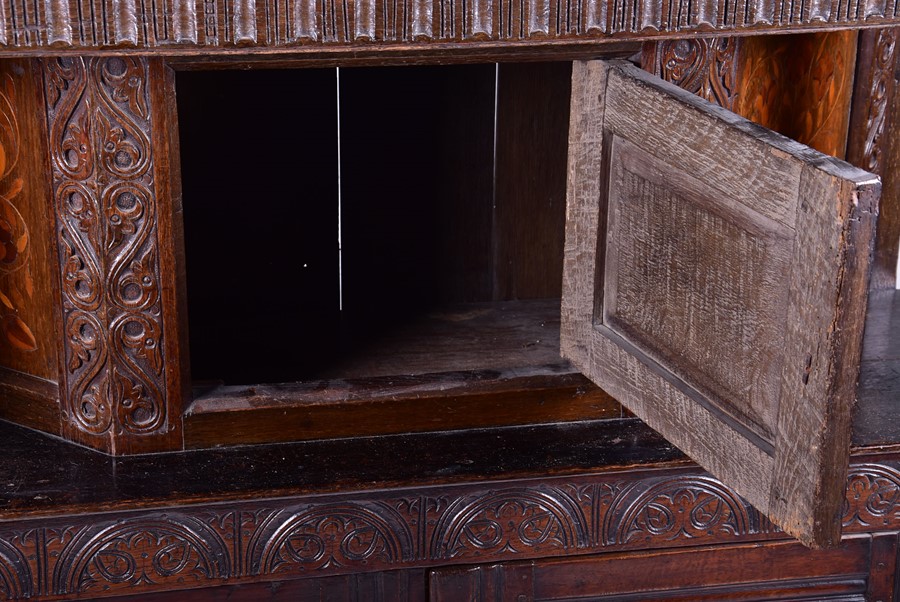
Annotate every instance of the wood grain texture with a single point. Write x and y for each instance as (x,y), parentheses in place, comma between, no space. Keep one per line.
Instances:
(228,25)
(795,484)
(29,401)
(324,409)
(118,394)
(781,571)
(800,86)
(529,217)
(661,213)
(28,265)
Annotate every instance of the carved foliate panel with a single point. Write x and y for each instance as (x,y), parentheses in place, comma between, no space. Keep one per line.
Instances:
(115,381)
(707,67)
(881,85)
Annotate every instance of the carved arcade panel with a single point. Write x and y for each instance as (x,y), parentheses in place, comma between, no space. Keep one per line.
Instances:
(116,386)
(437,526)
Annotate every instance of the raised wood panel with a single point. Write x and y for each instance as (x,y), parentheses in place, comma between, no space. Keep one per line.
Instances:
(192,26)
(782,571)
(785,454)
(662,227)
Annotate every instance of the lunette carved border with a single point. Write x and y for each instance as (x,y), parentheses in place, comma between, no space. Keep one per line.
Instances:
(106,224)
(338,534)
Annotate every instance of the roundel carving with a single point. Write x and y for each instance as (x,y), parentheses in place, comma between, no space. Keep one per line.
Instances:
(671,509)
(15,574)
(511,520)
(331,536)
(873,496)
(141,551)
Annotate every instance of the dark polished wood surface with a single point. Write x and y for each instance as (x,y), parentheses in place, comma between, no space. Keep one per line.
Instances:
(36,481)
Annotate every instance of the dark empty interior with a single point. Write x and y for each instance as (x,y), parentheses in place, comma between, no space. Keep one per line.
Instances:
(447,185)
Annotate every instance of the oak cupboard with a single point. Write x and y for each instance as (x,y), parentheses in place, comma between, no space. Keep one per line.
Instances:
(328,288)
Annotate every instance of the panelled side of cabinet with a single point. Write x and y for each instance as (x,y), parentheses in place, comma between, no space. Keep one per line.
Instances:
(875,113)
(832,91)
(111,164)
(28,283)
(800,85)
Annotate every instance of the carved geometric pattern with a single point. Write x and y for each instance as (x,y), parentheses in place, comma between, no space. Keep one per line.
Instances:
(706,67)
(159,550)
(300,23)
(16,284)
(106,212)
(876,114)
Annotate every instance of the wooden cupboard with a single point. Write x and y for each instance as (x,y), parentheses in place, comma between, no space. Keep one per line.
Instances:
(247,234)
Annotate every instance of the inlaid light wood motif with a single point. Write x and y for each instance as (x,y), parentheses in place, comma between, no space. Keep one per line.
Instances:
(16,283)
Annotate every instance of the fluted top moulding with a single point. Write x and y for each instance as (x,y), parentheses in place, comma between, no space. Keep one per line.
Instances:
(194,27)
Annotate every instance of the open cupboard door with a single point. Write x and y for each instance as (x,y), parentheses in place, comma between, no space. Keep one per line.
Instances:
(715,284)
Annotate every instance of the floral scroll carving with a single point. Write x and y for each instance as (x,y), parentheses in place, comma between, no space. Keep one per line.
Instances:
(107,237)
(876,115)
(873,497)
(271,539)
(679,509)
(706,67)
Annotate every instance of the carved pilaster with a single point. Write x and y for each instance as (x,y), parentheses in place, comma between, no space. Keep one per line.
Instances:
(875,89)
(874,113)
(117,391)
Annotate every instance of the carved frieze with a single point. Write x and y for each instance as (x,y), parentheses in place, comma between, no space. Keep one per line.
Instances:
(211,24)
(160,550)
(107,221)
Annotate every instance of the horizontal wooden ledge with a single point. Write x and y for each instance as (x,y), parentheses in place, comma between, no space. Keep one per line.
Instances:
(342,408)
